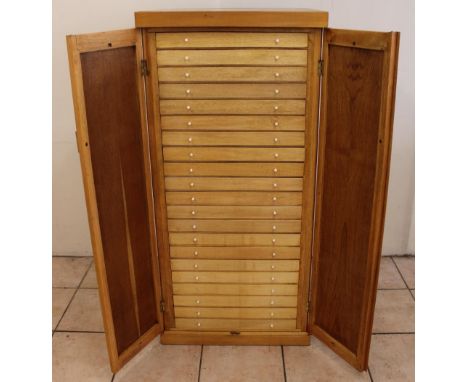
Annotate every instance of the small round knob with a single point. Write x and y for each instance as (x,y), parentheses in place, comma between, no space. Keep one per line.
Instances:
(193,212)
(197,278)
(277,41)
(190,139)
(187,75)
(195,253)
(196,266)
(192,184)
(275,170)
(276,58)
(272,302)
(272,314)
(188,107)
(190,170)
(274,213)
(276,155)
(276,108)
(275,140)
(191,155)
(186,39)
(276,123)
(194,227)
(198,324)
(188,91)
(195,239)
(273,254)
(276,91)
(272,291)
(186,58)
(189,123)
(198,313)
(273,241)
(275,185)
(275,198)
(272,267)
(198,301)
(272,326)
(272,279)
(274,228)
(276,75)
(193,198)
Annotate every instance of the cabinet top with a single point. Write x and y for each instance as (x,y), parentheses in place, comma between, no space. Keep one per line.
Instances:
(235,18)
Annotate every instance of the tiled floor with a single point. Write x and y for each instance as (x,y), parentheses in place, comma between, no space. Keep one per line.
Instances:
(79,349)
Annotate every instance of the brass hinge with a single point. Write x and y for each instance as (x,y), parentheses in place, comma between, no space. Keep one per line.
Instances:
(162,306)
(320,68)
(144,67)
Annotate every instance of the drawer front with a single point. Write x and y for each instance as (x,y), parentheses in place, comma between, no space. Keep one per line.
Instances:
(252,57)
(235,289)
(236,301)
(233,122)
(233,154)
(236,239)
(231,212)
(233,252)
(280,107)
(232,91)
(234,169)
(234,265)
(233,74)
(245,226)
(233,184)
(235,277)
(227,198)
(230,40)
(236,313)
(226,324)
(192,138)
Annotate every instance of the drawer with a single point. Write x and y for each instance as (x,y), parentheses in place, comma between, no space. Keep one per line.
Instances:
(234,212)
(233,74)
(251,57)
(232,91)
(236,301)
(234,169)
(233,154)
(230,40)
(235,289)
(234,265)
(272,226)
(235,253)
(238,325)
(296,107)
(192,138)
(235,313)
(234,198)
(239,239)
(236,277)
(233,184)
(233,122)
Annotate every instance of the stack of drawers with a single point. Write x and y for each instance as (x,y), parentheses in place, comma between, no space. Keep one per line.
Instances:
(233,117)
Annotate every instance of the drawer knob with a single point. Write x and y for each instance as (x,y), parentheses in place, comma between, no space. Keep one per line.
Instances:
(193,212)
(273,254)
(276,155)
(188,91)
(276,123)
(198,301)
(196,266)
(186,39)
(272,267)
(198,324)
(186,58)
(198,313)
(276,75)
(195,253)
(191,155)
(276,140)
(272,291)
(188,107)
(272,314)
(193,198)
(187,75)
(197,278)
(272,279)
(191,170)
(190,139)
(276,108)
(275,170)
(276,58)
(194,227)
(274,228)
(195,239)
(274,213)
(272,302)
(272,326)
(273,241)
(275,185)
(189,123)
(275,198)
(192,184)
(277,41)
(276,91)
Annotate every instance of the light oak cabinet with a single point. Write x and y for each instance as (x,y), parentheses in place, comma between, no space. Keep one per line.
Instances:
(235,166)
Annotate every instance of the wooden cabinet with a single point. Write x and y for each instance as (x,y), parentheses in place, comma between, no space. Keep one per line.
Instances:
(235,166)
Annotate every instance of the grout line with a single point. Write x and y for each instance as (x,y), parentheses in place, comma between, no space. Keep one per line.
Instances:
(199,365)
(113,376)
(284,364)
(392,288)
(72,298)
(370,374)
(78,331)
(390,333)
(73,256)
(401,275)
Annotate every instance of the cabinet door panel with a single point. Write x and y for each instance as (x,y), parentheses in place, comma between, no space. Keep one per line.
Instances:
(354,155)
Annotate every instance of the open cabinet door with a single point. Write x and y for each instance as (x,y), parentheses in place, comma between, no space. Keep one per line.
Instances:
(112,136)
(358,92)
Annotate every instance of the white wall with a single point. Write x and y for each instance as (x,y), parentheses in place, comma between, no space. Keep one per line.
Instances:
(70,229)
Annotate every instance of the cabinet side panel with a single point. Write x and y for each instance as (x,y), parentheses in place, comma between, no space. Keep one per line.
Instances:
(113,120)
(350,163)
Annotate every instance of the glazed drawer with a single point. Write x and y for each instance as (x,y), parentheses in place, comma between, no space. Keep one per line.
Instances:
(233,154)
(233,198)
(236,301)
(272,226)
(234,265)
(251,57)
(236,239)
(295,107)
(234,252)
(235,277)
(192,138)
(241,324)
(234,212)
(235,289)
(234,169)
(233,184)
(233,122)
(232,91)
(230,40)
(233,74)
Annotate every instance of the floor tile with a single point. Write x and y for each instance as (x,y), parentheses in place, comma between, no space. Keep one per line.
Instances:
(394,312)
(60,299)
(67,272)
(90,279)
(242,364)
(392,358)
(84,312)
(406,266)
(162,363)
(389,277)
(80,357)
(317,362)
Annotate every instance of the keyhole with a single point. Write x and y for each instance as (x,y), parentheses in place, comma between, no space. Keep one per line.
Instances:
(109,44)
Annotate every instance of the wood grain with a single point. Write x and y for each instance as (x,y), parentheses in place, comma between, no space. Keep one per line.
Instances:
(233,252)
(233,324)
(235,239)
(192,138)
(234,169)
(239,226)
(234,265)
(233,184)
(235,289)
(233,212)
(235,301)
(236,277)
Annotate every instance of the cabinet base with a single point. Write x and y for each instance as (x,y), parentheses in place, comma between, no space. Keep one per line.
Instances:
(179,337)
